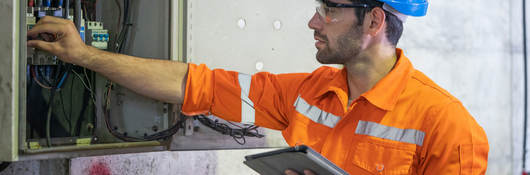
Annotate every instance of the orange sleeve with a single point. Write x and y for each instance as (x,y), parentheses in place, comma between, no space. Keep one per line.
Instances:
(263,99)
(199,90)
(456,145)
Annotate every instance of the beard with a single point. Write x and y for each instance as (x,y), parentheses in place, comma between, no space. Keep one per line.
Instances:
(348,46)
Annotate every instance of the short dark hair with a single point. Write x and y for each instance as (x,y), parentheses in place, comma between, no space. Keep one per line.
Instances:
(394,28)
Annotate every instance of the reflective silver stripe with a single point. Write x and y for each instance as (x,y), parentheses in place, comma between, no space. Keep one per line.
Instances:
(391,133)
(315,114)
(247,106)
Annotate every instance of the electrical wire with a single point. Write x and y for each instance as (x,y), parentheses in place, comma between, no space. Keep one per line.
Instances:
(65,75)
(123,136)
(66,9)
(68,118)
(93,99)
(58,72)
(119,12)
(238,134)
(122,37)
(87,79)
(45,77)
(120,45)
(48,119)
(77,14)
(34,76)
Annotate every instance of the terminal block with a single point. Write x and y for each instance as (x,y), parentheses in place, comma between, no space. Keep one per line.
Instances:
(98,36)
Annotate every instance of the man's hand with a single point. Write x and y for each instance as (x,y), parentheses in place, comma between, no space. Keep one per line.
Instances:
(292,172)
(59,37)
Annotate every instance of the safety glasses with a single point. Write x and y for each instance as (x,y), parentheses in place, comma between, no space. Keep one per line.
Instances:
(331,12)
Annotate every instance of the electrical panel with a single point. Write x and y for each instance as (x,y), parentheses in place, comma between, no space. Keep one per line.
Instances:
(64,110)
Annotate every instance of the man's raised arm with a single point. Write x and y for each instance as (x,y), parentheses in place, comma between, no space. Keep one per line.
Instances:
(159,79)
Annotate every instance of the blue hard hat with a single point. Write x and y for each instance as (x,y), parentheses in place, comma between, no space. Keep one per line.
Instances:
(409,7)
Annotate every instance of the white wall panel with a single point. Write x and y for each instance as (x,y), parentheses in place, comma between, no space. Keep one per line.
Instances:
(217,38)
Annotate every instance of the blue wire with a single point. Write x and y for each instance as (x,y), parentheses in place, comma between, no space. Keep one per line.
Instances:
(62,80)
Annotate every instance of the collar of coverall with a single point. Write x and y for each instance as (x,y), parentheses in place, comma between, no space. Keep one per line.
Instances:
(391,9)
(384,94)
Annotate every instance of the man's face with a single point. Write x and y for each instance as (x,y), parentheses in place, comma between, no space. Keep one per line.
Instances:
(337,40)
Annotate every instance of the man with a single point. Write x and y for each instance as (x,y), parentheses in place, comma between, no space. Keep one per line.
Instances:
(377,115)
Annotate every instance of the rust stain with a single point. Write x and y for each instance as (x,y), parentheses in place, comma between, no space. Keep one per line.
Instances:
(99,168)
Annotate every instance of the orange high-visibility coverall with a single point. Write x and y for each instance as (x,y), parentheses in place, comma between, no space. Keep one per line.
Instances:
(405,124)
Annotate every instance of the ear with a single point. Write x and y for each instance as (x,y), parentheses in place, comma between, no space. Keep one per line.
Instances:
(375,21)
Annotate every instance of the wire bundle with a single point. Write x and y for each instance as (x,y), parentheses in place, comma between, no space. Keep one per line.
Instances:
(157,136)
(238,133)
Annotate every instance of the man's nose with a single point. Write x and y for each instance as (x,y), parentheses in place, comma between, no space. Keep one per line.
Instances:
(315,23)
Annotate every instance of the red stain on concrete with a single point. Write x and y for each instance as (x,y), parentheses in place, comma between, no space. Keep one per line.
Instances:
(99,168)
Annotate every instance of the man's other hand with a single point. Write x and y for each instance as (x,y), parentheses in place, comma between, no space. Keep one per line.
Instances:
(292,172)
(59,37)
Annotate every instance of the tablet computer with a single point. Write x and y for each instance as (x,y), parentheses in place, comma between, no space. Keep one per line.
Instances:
(298,158)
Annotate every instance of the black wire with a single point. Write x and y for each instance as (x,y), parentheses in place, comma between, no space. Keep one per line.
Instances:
(77,14)
(59,73)
(525,64)
(66,9)
(67,117)
(122,37)
(94,109)
(48,118)
(238,134)
(120,43)
(157,136)
(122,136)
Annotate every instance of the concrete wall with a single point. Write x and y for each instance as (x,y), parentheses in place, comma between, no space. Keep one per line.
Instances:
(166,163)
